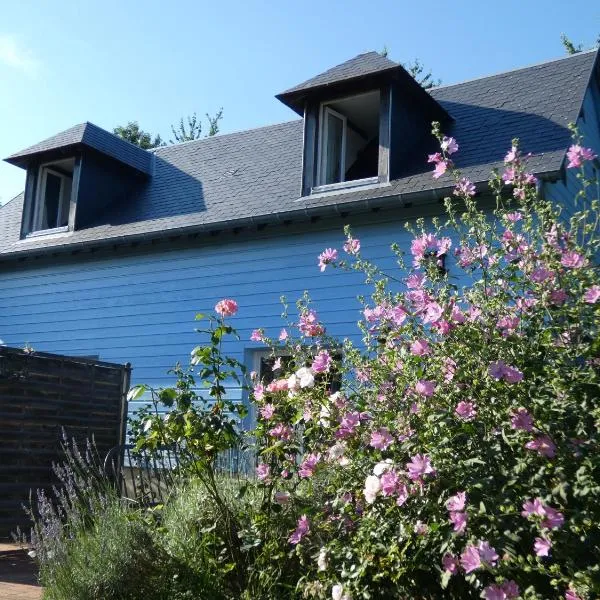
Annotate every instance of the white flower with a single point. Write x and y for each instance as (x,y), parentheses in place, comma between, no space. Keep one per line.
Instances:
(32,554)
(324,416)
(336,453)
(372,487)
(381,467)
(337,593)
(322,560)
(292,382)
(306,377)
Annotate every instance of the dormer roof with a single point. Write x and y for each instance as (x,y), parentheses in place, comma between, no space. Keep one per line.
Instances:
(87,135)
(368,70)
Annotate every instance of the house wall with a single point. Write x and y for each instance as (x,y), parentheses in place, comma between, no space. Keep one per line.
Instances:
(139,306)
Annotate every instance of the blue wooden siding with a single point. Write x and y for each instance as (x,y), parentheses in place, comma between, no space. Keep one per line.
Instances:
(139,306)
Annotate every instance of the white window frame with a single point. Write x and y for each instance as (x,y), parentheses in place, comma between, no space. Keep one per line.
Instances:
(323,138)
(40,199)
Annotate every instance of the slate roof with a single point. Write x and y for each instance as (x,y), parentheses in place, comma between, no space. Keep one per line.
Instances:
(359,66)
(255,176)
(89,135)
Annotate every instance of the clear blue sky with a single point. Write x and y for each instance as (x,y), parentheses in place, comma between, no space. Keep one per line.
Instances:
(111,61)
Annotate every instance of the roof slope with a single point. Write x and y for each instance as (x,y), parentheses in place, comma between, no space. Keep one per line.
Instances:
(92,136)
(359,66)
(255,175)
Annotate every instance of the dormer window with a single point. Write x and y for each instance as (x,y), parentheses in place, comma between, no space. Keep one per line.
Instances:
(348,139)
(53,196)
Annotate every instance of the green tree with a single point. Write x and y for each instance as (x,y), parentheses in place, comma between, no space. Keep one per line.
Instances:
(571,48)
(134,134)
(423,76)
(192,129)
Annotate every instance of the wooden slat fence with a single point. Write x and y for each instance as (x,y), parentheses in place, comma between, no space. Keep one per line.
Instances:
(40,396)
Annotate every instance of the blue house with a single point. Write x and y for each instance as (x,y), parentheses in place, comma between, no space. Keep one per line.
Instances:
(111,250)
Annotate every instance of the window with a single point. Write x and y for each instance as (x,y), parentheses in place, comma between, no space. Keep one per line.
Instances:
(348,145)
(53,196)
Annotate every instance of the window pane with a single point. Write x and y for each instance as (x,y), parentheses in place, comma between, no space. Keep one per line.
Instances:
(333,160)
(51,201)
(66,203)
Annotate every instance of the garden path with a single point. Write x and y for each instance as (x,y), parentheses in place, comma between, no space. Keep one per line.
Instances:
(18,578)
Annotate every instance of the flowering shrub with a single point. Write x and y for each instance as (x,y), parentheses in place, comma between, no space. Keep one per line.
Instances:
(461,458)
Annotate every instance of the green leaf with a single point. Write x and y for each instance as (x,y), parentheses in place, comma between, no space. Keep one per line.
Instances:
(136,392)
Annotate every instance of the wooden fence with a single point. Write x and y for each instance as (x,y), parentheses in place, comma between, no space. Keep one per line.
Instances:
(40,396)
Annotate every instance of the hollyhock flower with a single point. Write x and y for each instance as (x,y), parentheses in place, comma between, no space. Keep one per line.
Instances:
(348,425)
(457,315)
(474,313)
(435,158)
(465,187)
(322,362)
(308,466)
(457,502)
(425,388)
(322,560)
(257,335)
(511,589)
(337,593)
(592,295)
(389,483)
(509,175)
(283,335)
(259,391)
(512,155)
(267,411)
(449,145)
(415,281)
(336,454)
(281,497)
(572,260)
(305,377)
(372,488)
(554,519)
(542,546)
(309,325)
(450,563)
(494,592)
(465,410)
(578,155)
(226,307)
(381,439)
(442,326)
(420,528)
(352,246)
(541,274)
(401,494)
(571,594)
(440,169)
(263,471)
(281,431)
(383,466)
(521,419)
(302,528)
(459,520)
(487,553)
(558,297)
(449,369)
(281,385)
(426,245)
(508,325)
(470,559)
(420,348)
(513,217)
(500,370)
(533,507)
(433,312)
(543,445)
(419,466)
(326,257)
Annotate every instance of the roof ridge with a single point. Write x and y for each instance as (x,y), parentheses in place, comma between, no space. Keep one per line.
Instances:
(531,66)
(222,135)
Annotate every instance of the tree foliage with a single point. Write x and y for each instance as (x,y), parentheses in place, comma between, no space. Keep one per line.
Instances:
(134,134)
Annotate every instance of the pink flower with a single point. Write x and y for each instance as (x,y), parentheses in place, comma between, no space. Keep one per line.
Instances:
(425,388)
(449,369)
(322,362)
(470,559)
(494,592)
(521,419)
(263,471)
(256,335)
(542,546)
(465,410)
(465,187)
(459,520)
(440,169)
(428,245)
(308,466)
(513,217)
(433,312)
(592,295)
(281,431)
(309,324)
(578,155)
(259,391)
(554,518)
(541,274)
(419,466)
(326,257)
(283,335)
(558,297)
(302,529)
(543,445)
(512,155)
(389,483)
(402,494)
(435,158)
(571,594)
(421,528)
(572,260)
(511,589)
(487,554)
(420,348)
(226,307)
(450,563)
(508,325)
(500,370)
(348,425)
(381,439)
(415,281)
(352,246)
(533,507)
(457,502)
(267,411)
(449,145)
